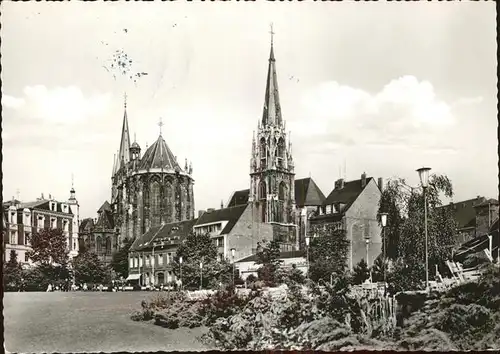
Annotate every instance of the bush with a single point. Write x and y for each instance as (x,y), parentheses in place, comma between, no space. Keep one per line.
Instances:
(180,314)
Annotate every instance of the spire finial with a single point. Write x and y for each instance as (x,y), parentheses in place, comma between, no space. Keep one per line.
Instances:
(272,33)
(72,180)
(125,100)
(135,140)
(160,124)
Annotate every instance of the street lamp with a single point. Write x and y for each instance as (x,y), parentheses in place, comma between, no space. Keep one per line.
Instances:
(180,270)
(423,173)
(201,275)
(383,219)
(307,252)
(367,242)
(233,251)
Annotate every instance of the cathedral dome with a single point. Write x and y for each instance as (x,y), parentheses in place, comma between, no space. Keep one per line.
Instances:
(159,155)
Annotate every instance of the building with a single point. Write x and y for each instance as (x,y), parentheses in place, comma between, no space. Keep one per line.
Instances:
(248,266)
(474,217)
(99,235)
(148,190)
(230,228)
(352,206)
(308,199)
(22,219)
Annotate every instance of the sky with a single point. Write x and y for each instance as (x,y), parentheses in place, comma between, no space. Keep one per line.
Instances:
(382,88)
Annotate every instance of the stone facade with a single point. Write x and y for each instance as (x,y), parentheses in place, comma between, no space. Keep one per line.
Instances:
(149,190)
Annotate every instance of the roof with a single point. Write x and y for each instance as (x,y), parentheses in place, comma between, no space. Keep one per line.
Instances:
(272,109)
(487,202)
(464,212)
(348,194)
(283,255)
(86,222)
(307,192)
(41,205)
(105,220)
(232,215)
(11,202)
(172,233)
(104,206)
(159,155)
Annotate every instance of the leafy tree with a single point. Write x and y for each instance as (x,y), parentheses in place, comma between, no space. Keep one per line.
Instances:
(12,272)
(49,246)
(328,254)
(268,256)
(290,276)
(119,263)
(406,226)
(89,269)
(379,267)
(360,272)
(196,249)
(404,276)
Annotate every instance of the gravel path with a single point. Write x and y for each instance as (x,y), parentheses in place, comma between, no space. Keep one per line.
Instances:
(84,322)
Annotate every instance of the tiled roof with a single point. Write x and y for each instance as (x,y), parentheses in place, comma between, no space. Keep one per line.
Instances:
(34,204)
(464,212)
(172,233)
(86,222)
(105,220)
(307,193)
(11,202)
(283,255)
(159,155)
(104,206)
(232,215)
(346,195)
(239,198)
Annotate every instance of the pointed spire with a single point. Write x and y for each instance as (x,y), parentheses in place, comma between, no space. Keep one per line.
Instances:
(124,152)
(272,109)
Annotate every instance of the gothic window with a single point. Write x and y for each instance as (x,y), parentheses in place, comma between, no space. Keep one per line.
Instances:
(169,207)
(98,245)
(178,205)
(262,190)
(282,196)
(108,246)
(281,152)
(263,153)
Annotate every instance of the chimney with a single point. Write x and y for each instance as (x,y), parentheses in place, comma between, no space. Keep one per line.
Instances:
(363,180)
(200,213)
(339,184)
(43,197)
(50,196)
(380,183)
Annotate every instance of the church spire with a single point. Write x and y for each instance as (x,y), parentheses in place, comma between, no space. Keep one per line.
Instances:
(272,108)
(124,152)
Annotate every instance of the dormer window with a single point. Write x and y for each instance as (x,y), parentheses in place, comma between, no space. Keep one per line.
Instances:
(64,208)
(53,206)
(13,218)
(328,209)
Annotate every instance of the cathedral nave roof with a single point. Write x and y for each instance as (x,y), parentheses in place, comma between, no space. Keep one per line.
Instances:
(159,155)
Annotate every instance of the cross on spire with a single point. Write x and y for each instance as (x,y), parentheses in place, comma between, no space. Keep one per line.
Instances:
(72,180)
(125,100)
(271,32)
(160,124)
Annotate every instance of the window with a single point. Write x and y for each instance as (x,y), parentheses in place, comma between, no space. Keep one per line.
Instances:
(27,218)
(131,262)
(13,237)
(147,261)
(220,242)
(52,206)
(140,261)
(40,222)
(262,190)
(27,238)
(53,223)
(74,245)
(160,259)
(13,218)
(26,258)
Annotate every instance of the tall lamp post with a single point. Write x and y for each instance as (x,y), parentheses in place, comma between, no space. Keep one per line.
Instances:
(307,253)
(233,251)
(367,242)
(201,274)
(423,173)
(180,271)
(383,219)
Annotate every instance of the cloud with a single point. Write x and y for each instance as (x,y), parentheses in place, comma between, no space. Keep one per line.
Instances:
(12,102)
(404,111)
(63,104)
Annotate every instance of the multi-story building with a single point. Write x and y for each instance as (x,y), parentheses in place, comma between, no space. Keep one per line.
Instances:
(474,217)
(352,206)
(23,219)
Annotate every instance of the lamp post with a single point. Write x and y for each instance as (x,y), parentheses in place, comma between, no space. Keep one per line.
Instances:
(307,253)
(233,251)
(180,270)
(423,173)
(383,219)
(367,242)
(201,275)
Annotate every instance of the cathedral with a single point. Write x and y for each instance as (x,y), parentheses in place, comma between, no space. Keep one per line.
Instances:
(148,190)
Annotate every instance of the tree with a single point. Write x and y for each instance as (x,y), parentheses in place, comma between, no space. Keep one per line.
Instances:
(290,276)
(406,228)
(379,267)
(200,248)
(360,272)
(12,272)
(49,246)
(119,263)
(328,254)
(89,269)
(268,256)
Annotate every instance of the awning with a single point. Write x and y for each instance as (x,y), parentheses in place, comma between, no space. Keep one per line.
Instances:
(133,277)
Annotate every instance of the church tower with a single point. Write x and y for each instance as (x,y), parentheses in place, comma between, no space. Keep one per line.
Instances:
(271,165)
